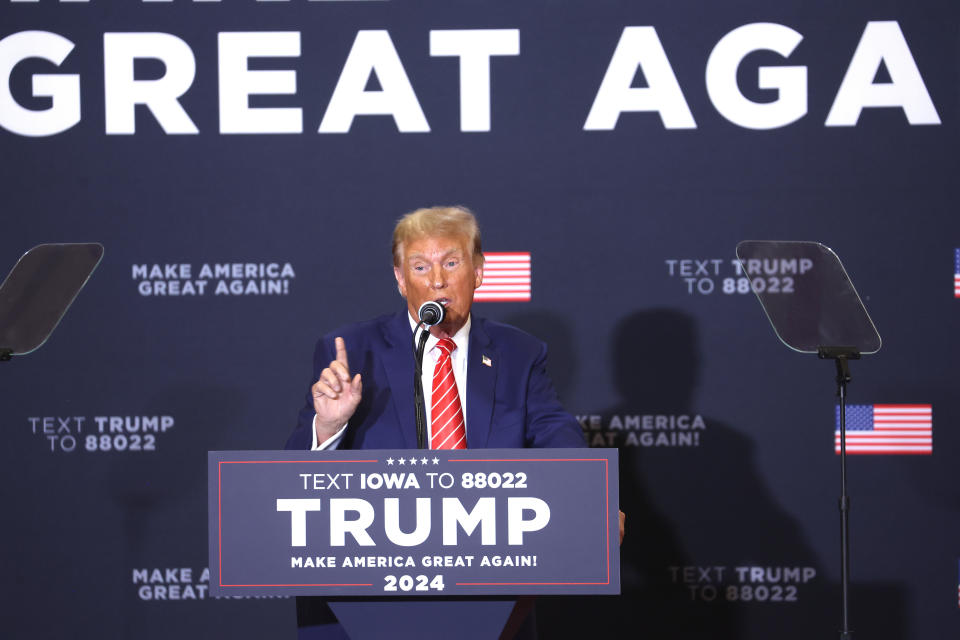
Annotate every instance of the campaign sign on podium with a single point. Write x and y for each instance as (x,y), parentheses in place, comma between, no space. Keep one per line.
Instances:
(414,522)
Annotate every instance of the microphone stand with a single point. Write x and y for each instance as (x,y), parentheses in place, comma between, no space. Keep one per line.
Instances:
(418,400)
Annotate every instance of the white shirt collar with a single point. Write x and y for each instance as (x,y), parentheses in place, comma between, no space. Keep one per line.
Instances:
(461,338)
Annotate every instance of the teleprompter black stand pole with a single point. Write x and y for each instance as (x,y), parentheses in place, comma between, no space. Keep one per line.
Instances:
(841,356)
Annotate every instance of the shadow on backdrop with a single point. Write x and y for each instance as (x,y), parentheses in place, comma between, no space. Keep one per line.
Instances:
(700,506)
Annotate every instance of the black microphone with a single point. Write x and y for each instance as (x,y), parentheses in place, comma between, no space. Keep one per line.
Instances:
(431,313)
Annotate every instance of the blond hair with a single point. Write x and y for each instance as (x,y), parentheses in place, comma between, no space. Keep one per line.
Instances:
(437,221)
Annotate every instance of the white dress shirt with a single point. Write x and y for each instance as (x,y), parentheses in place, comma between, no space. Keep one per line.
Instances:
(458,360)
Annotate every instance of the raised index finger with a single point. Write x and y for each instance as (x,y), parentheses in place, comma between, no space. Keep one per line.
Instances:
(341,352)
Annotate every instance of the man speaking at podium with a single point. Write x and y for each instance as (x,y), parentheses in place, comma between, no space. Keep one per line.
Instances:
(485,384)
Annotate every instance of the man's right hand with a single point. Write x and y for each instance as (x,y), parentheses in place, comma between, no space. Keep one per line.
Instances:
(335,395)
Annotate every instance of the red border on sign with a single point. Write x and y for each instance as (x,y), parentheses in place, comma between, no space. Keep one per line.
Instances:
(606,508)
(606,479)
(220,522)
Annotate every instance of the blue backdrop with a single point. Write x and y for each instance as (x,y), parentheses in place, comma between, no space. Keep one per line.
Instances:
(243,164)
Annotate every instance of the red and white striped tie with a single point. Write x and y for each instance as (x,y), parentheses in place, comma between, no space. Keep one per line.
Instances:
(446,414)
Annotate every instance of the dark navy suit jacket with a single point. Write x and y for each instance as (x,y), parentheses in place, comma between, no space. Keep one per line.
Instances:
(511,402)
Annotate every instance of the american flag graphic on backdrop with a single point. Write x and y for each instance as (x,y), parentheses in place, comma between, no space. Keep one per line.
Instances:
(956,273)
(506,278)
(887,428)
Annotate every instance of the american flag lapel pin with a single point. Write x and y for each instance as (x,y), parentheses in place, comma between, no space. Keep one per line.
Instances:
(487,362)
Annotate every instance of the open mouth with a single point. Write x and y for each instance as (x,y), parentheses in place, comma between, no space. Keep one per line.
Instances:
(444,301)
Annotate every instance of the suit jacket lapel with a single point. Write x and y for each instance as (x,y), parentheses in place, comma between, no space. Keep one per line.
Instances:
(398,363)
(481,384)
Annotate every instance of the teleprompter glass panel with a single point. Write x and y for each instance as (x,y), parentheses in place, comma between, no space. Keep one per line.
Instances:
(807,296)
(40,289)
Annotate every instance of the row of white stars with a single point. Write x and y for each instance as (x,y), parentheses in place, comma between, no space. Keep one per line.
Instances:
(412,461)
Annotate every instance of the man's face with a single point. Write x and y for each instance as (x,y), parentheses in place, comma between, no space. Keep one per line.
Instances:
(439,268)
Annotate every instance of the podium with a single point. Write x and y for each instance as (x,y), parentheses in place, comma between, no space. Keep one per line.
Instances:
(415,543)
